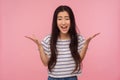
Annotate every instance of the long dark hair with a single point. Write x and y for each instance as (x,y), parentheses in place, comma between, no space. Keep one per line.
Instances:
(73,36)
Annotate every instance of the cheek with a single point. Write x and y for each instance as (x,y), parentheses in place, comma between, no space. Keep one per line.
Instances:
(58,23)
(68,22)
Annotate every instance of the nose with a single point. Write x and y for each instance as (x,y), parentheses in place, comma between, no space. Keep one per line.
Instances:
(63,22)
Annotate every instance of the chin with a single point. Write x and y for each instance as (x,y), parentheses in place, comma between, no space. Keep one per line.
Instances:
(65,32)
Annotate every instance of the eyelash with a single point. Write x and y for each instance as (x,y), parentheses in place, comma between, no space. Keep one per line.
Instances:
(59,19)
(65,19)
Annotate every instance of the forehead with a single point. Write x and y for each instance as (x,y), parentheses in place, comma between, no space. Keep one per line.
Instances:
(63,13)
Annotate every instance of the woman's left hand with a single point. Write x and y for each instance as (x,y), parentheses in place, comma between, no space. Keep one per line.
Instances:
(90,38)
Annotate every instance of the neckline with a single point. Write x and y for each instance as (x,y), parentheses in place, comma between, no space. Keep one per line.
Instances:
(63,39)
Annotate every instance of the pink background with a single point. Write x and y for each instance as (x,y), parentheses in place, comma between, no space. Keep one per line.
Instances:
(19,57)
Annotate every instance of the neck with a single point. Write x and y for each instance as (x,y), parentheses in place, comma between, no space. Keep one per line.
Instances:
(64,36)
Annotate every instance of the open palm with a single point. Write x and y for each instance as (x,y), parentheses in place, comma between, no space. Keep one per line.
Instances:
(90,38)
(34,39)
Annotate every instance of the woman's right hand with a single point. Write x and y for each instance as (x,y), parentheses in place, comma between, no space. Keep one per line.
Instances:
(34,39)
(43,56)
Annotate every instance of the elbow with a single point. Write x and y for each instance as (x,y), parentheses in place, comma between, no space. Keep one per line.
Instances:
(45,61)
(45,65)
(82,57)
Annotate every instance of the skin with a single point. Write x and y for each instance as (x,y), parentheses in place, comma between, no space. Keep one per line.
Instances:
(43,56)
(63,23)
(85,47)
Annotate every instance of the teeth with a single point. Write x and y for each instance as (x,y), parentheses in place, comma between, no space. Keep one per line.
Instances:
(63,27)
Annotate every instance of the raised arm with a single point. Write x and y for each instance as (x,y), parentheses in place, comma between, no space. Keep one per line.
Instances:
(85,47)
(43,56)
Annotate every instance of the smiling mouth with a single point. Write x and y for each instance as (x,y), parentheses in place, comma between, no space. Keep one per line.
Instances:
(64,27)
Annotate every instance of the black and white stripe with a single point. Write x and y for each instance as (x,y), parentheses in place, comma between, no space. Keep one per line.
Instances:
(65,63)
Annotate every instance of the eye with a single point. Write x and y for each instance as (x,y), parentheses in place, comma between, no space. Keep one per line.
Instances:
(59,19)
(67,19)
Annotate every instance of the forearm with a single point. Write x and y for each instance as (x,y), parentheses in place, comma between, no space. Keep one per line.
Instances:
(83,51)
(43,56)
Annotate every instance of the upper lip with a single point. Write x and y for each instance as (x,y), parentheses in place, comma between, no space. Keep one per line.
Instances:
(63,26)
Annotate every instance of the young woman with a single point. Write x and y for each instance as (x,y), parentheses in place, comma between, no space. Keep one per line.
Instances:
(63,50)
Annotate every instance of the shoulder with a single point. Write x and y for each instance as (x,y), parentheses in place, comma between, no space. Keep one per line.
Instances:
(46,39)
(80,37)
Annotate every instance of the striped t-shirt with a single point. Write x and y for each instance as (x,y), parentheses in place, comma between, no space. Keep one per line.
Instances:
(65,63)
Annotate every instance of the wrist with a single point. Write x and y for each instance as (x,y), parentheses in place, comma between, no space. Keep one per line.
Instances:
(39,47)
(86,46)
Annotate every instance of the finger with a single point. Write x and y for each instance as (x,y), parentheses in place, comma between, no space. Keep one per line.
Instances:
(29,38)
(35,38)
(26,36)
(33,35)
(95,35)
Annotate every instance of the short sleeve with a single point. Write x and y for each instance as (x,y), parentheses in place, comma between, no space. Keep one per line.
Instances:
(46,44)
(81,41)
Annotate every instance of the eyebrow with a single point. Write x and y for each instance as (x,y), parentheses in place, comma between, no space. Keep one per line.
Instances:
(61,16)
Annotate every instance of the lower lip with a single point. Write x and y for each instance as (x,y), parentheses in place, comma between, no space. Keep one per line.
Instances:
(64,29)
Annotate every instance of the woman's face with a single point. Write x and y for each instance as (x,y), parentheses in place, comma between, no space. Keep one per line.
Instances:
(63,22)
